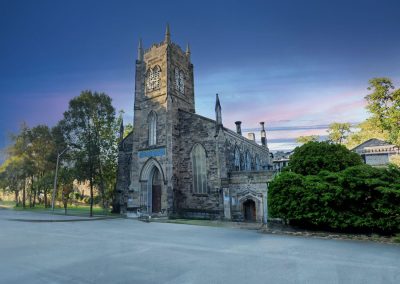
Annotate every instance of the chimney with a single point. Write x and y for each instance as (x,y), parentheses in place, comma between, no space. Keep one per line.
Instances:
(238,127)
(251,136)
(263,135)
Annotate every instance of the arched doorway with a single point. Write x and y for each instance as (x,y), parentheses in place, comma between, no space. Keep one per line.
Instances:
(249,210)
(155,179)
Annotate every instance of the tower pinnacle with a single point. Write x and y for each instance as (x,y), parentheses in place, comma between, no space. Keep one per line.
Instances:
(121,130)
(218,115)
(167,35)
(140,51)
(188,52)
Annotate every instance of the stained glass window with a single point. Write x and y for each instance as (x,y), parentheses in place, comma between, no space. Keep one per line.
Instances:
(237,159)
(247,162)
(199,169)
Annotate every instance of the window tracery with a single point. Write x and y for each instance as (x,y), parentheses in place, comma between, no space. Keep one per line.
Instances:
(153,78)
(198,156)
(237,159)
(247,162)
(179,81)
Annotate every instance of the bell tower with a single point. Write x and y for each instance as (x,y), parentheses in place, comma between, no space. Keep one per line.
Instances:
(164,85)
(164,71)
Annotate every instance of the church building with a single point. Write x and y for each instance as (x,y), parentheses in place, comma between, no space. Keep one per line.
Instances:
(179,163)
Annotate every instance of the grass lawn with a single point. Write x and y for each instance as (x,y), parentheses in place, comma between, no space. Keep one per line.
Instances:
(71,210)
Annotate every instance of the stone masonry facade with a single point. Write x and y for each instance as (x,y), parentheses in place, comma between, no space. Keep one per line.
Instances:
(178,163)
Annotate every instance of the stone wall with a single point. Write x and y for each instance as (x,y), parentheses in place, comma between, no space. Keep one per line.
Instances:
(123,172)
(245,186)
(195,129)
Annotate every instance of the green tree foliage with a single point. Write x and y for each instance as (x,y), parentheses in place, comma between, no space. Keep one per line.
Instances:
(91,130)
(42,153)
(338,132)
(368,129)
(306,139)
(21,151)
(12,176)
(128,129)
(384,105)
(395,160)
(32,158)
(360,198)
(313,157)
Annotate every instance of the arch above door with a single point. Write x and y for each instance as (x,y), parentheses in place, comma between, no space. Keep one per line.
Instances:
(147,170)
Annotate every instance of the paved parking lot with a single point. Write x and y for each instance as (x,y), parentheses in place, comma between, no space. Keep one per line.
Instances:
(130,251)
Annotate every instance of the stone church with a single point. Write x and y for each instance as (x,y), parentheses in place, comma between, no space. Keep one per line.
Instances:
(179,163)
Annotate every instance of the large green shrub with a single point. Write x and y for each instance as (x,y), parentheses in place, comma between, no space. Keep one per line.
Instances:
(360,198)
(313,157)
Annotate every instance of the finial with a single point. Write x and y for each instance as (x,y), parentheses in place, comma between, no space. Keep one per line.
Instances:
(218,116)
(140,51)
(167,35)
(121,129)
(217,103)
(188,51)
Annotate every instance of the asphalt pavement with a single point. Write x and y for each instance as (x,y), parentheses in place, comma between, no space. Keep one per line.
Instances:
(130,251)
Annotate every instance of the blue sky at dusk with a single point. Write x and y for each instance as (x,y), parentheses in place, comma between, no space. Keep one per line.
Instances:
(298,65)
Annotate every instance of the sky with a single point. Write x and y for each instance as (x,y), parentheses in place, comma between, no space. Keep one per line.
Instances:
(297,65)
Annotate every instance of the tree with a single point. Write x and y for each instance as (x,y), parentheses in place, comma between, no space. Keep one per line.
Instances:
(66,183)
(128,129)
(91,131)
(368,129)
(20,150)
(306,139)
(384,105)
(11,176)
(395,160)
(338,132)
(359,198)
(42,153)
(313,157)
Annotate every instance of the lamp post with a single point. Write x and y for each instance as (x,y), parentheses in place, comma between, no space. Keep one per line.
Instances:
(55,178)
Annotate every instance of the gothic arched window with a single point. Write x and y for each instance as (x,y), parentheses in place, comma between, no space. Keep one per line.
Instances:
(258,165)
(152,122)
(198,156)
(237,159)
(179,81)
(247,162)
(153,78)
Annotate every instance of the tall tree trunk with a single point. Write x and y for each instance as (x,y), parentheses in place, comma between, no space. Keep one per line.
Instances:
(34,197)
(102,188)
(23,195)
(91,197)
(34,193)
(16,198)
(30,198)
(45,197)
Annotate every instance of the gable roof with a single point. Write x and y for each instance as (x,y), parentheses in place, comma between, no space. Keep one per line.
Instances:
(374,146)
